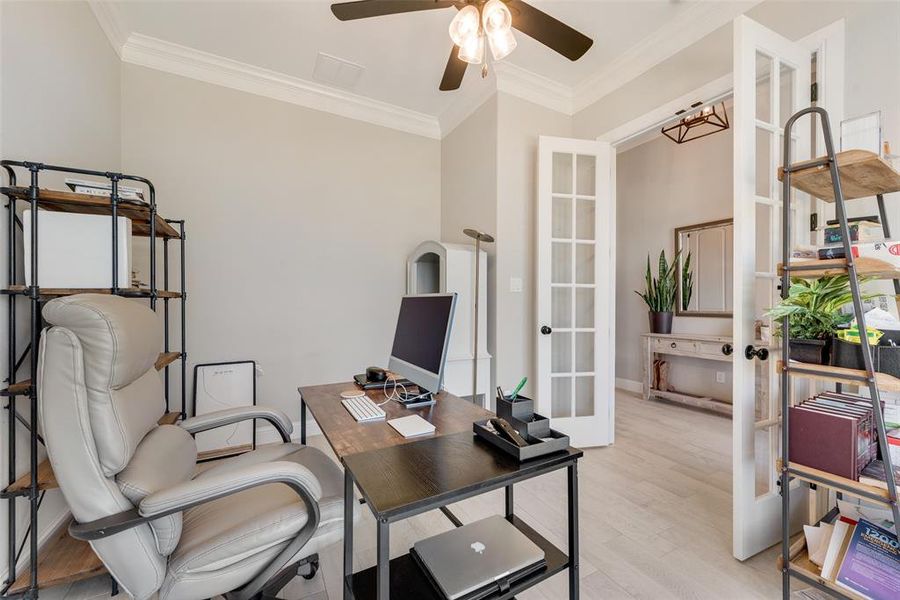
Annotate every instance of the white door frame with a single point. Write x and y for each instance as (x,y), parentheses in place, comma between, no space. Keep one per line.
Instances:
(828,42)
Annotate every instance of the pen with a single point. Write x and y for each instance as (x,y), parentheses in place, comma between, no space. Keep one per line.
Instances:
(518,389)
(500,395)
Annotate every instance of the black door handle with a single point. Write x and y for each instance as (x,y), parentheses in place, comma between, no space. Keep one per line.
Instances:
(546,330)
(761,353)
(727,349)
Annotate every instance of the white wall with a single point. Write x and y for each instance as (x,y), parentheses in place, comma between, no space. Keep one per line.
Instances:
(661,185)
(60,105)
(298,225)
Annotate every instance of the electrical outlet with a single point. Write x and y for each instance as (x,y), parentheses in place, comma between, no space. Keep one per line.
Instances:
(515,284)
(720,376)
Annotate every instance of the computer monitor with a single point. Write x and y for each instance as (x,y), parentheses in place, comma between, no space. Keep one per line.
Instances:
(421,339)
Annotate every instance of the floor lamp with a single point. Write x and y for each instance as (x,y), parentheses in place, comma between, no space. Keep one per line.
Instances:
(479,237)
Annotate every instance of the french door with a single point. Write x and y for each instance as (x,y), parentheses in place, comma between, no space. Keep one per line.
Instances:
(576,288)
(771,82)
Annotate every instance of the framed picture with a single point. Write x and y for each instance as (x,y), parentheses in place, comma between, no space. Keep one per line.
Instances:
(220,386)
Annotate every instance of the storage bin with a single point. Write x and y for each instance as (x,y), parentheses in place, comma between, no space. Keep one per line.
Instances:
(886,358)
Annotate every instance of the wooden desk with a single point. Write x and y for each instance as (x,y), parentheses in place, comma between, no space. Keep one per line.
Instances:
(399,478)
(449,414)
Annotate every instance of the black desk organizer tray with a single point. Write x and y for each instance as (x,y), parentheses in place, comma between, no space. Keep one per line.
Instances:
(533,427)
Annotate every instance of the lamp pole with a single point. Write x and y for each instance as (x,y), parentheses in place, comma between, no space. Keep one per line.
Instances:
(478,236)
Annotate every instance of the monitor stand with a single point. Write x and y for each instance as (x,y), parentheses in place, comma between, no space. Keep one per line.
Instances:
(411,400)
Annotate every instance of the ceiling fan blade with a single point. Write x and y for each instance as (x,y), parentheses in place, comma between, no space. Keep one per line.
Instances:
(549,31)
(363,9)
(453,73)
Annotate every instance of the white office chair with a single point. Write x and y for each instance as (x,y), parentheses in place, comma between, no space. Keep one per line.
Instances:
(240,528)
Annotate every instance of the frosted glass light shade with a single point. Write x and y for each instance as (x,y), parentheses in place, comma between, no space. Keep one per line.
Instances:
(496,17)
(502,43)
(472,49)
(464,24)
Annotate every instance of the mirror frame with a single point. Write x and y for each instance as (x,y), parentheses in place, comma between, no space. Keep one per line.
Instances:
(724,314)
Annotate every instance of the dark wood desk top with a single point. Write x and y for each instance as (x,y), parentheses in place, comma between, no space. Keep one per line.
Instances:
(450,414)
(400,481)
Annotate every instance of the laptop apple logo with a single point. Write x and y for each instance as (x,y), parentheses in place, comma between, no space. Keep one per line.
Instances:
(478,547)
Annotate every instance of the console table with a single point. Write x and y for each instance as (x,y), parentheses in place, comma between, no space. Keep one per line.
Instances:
(706,347)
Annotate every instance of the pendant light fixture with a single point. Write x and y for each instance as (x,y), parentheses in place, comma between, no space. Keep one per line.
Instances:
(711,119)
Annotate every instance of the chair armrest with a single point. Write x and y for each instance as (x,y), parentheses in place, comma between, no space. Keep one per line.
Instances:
(220,418)
(205,489)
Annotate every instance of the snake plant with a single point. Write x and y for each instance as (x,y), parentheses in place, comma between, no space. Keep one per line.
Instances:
(687,282)
(660,291)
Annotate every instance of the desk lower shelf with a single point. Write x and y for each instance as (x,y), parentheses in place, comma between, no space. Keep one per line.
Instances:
(408,580)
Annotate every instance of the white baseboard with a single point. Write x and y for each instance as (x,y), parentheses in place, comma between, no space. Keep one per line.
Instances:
(266,434)
(629,385)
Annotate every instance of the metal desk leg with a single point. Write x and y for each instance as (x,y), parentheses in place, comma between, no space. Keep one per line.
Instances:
(349,499)
(573,531)
(383,576)
(302,421)
(509,501)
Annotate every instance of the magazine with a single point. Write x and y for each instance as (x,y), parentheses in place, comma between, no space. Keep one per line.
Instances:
(871,565)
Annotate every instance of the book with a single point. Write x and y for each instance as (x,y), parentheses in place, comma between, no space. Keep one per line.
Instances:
(100,188)
(839,539)
(871,563)
(875,475)
(861,231)
(824,440)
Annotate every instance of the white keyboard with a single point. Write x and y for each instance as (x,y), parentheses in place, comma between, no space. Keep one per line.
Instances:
(363,409)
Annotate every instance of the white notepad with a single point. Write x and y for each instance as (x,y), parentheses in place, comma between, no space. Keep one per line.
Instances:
(411,426)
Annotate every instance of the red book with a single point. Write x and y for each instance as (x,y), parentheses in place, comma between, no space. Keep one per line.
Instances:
(825,441)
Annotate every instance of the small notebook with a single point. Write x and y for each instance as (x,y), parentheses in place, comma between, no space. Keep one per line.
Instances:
(411,426)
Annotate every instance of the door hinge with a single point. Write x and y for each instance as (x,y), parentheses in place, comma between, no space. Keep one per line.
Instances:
(814,92)
(813,221)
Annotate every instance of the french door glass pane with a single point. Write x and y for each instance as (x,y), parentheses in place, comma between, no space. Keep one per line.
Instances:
(562,217)
(562,173)
(763,87)
(585,175)
(584,396)
(584,219)
(584,307)
(584,263)
(763,163)
(561,397)
(785,93)
(763,238)
(561,307)
(561,270)
(561,349)
(584,352)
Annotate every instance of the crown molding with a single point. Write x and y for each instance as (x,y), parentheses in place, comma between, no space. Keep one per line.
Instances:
(696,21)
(109,23)
(535,88)
(173,58)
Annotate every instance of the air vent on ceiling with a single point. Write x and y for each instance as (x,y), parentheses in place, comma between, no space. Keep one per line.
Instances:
(337,72)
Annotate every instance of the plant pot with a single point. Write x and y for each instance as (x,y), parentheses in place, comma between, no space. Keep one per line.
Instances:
(815,352)
(660,322)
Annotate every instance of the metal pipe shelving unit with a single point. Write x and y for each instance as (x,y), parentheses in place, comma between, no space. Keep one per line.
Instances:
(815,177)
(32,486)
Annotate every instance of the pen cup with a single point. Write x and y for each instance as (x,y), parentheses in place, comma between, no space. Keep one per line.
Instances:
(522,409)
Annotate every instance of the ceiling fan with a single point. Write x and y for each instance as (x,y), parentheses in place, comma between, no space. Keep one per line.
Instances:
(476,21)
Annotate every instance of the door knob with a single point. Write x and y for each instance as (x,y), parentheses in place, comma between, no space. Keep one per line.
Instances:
(727,349)
(761,353)
(546,330)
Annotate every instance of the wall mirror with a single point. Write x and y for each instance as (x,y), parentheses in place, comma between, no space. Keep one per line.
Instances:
(704,282)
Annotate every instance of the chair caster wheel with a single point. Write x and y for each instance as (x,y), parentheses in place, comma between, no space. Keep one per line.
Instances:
(313,569)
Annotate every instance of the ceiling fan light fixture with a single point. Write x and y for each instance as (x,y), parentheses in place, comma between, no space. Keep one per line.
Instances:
(502,43)
(471,50)
(464,24)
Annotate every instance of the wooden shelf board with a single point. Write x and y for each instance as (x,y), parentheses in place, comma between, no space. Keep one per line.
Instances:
(695,401)
(70,202)
(800,563)
(19,289)
(862,173)
(169,418)
(224,452)
(865,266)
(63,559)
(165,359)
(848,486)
(886,383)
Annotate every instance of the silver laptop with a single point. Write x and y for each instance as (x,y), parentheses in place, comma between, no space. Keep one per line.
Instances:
(473,556)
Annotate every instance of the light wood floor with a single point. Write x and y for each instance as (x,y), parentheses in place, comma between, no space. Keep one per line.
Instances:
(655,518)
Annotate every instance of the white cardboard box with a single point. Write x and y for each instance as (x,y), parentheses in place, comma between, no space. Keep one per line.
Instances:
(889,252)
(75,251)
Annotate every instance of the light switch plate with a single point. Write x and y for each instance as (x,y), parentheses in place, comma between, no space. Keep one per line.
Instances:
(515,284)
(720,376)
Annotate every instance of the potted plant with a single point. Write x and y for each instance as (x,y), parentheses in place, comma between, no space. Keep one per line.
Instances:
(660,293)
(813,308)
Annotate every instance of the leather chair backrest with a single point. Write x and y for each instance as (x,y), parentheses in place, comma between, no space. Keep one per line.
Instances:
(100,396)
